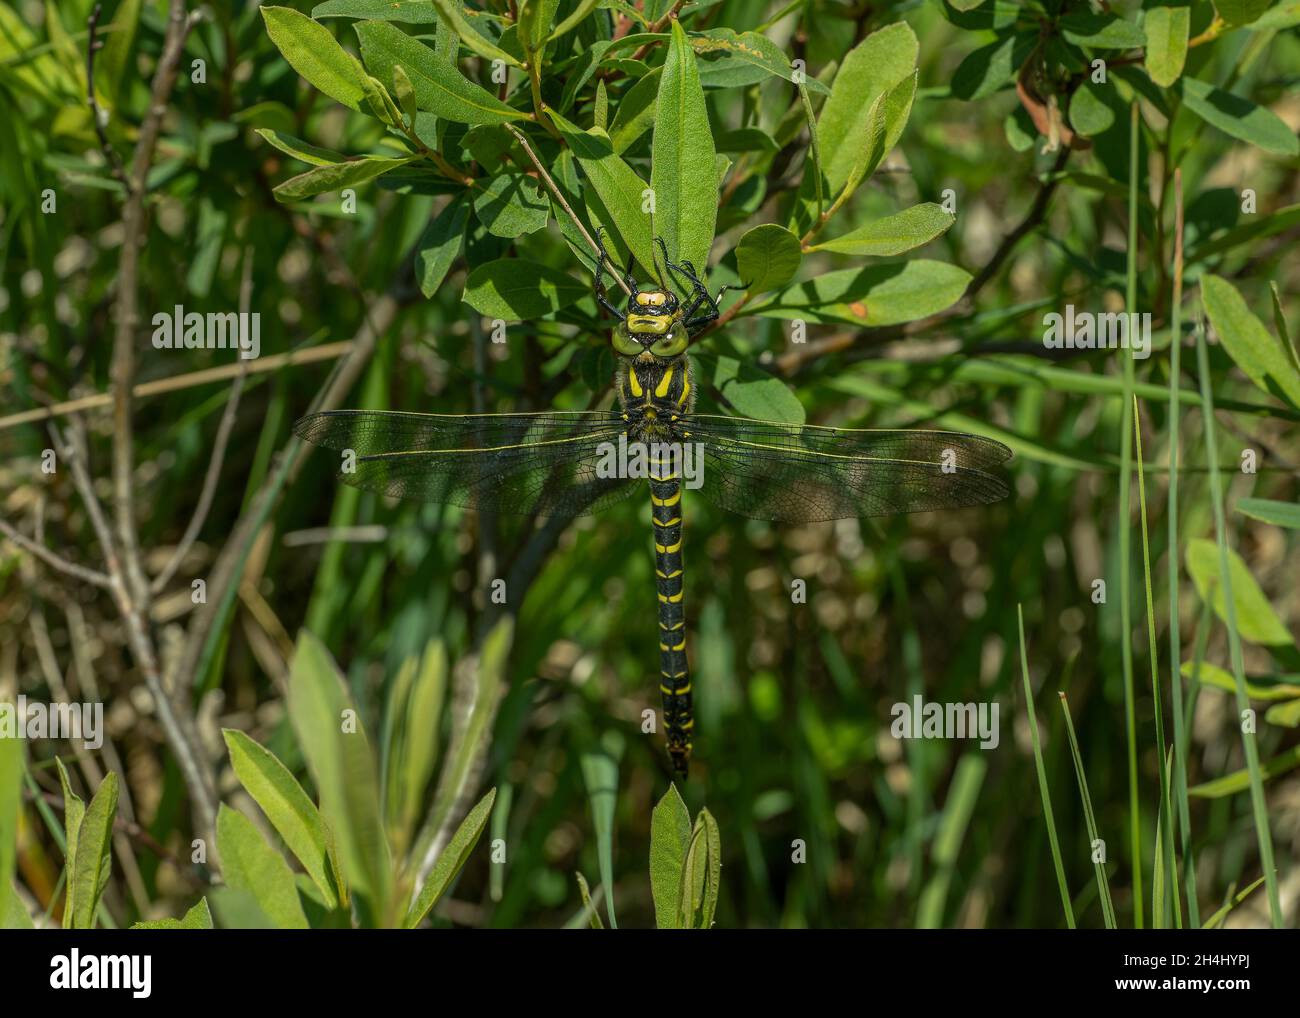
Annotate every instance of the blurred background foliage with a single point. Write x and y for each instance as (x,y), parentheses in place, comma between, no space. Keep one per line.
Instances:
(825,818)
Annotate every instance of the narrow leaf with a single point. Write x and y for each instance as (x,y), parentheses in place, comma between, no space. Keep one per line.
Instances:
(670,834)
(451,861)
(292,814)
(894,234)
(313,52)
(439,87)
(92,860)
(335,177)
(250,864)
(1265,360)
(686,199)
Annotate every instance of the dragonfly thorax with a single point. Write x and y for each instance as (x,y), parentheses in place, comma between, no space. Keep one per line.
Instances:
(655,394)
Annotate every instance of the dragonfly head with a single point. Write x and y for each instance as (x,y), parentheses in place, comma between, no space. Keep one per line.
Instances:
(653,327)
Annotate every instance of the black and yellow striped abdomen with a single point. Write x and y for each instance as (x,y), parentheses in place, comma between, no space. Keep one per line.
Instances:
(674,675)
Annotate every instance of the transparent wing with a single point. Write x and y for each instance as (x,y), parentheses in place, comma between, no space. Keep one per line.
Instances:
(543,464)
(806,473)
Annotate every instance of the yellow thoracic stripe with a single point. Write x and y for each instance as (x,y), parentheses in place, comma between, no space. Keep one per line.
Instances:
(669,549)
(686,387)
(666,477)
(664,502)
(661,389)
(487,448)
(634,382)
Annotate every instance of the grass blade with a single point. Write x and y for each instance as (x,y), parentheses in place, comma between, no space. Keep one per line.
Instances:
(1258,805)
(1103,881)
(1042,775)
(1165,846)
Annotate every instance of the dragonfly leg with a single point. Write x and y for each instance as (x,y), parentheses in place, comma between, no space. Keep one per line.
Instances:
(599,283)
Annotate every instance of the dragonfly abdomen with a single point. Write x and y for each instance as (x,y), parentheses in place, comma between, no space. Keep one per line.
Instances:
(674,675)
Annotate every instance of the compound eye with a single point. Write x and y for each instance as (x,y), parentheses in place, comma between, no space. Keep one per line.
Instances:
(623,343)
(671,345)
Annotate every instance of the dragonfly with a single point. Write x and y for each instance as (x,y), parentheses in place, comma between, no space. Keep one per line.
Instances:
(571,463)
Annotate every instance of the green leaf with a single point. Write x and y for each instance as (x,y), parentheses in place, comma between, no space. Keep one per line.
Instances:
(301,150)
(767,257)
(877,295)
(1256,228)
(989,68)
(871,69)
(579,15)
(587,903)
(412,718)
(670,835)
(292,814)
(1279,321)
(439,87)
(343,768)
(1240,118)
(1239,781)
(451,861)
(11,789)
(620,191)
(600,775)
(313,52)
(1241,12)
(1281,514)
(516,290)
(1101,31)
(535,18)
(459,770)
(412,12)
(336,176)
(752,392)
(1166,31)
(454,17)
(248,863)
(405,92)
(111,66)
(1257,689)
(73,812)
(436,251)
(1284,715)
(885,122)
(894,234)
(1283,15)
(197,918)
(734,59)
(90,864)
(686,197)
(1256,619)
(713,873)
(701,874)
(1094,109)
(512,205)
(1265,360)
(13,914)
(636,112)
